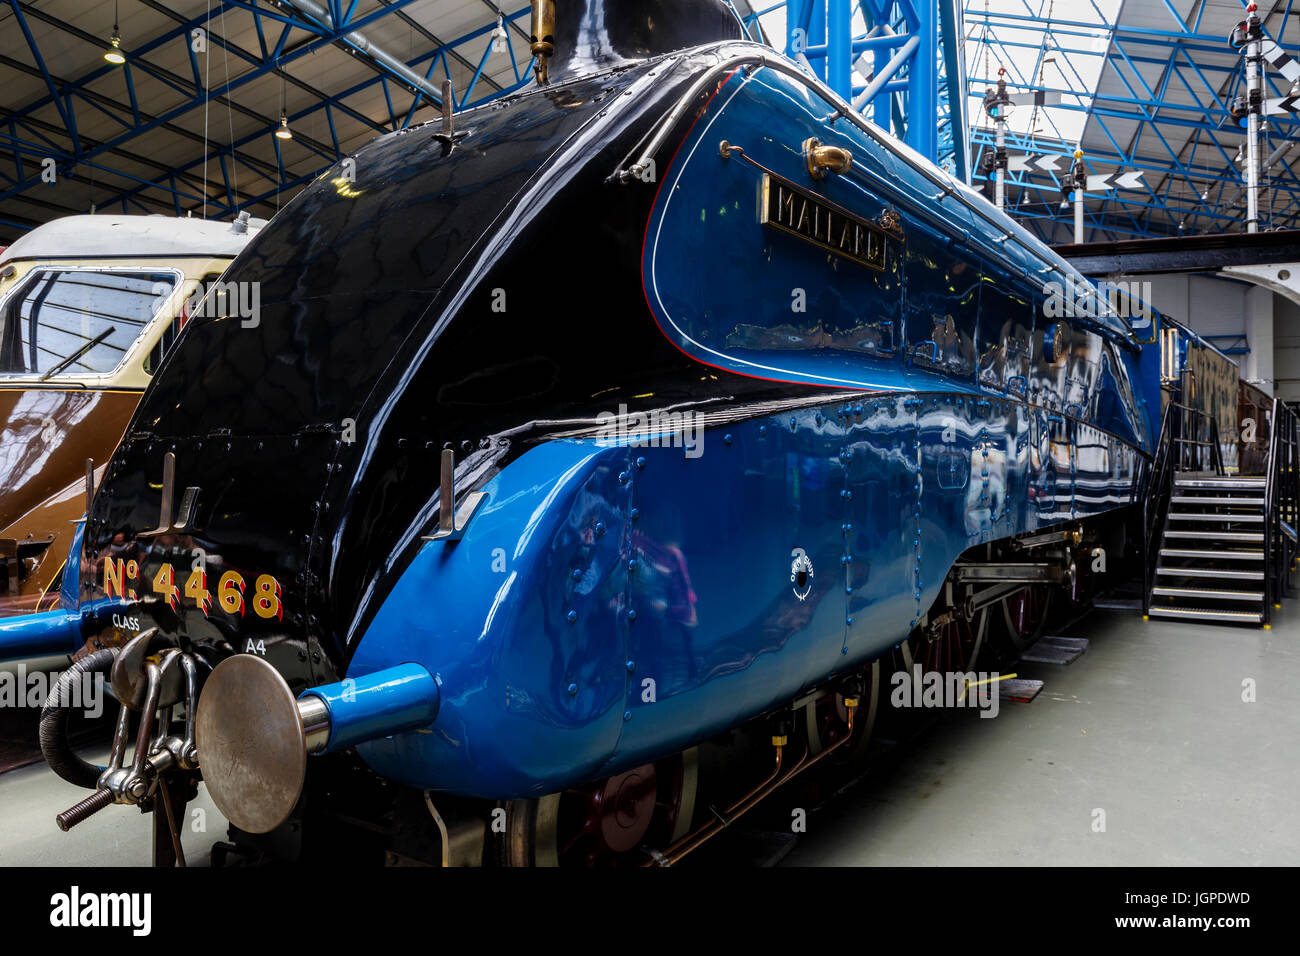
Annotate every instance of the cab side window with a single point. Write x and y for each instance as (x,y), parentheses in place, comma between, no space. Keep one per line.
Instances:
(1081,376)
(1115,408)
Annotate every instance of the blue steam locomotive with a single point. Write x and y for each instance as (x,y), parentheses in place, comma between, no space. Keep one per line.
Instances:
(665,398)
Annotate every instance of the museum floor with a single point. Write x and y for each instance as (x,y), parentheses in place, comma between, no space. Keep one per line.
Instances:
(1149,726)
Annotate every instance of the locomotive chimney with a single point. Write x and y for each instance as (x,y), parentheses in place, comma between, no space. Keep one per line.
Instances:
(543,37)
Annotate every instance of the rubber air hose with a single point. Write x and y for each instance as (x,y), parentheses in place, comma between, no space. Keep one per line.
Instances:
(55,744)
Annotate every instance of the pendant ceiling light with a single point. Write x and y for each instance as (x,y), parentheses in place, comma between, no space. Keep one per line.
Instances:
(114,52)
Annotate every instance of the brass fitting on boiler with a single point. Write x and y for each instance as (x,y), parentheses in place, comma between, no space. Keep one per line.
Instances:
(543,35)
(822,159)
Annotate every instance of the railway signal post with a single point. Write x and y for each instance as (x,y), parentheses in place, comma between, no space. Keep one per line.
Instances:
(1075,180)
(1249,36)
(997,103)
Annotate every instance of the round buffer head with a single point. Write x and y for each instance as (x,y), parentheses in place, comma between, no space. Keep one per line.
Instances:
(252,750)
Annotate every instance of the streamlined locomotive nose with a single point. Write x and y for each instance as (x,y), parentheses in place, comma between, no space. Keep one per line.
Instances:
(264,505)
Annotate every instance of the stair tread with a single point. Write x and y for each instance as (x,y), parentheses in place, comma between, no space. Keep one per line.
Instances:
(1207,614)
(1211,573)
(1218,535)
(1223,554)
(1214,516)
(1233,502)
(1217,595)
(1218,483)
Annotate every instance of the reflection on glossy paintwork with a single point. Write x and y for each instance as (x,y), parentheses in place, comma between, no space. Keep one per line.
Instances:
(648,566)
(46,435)
(1212,387)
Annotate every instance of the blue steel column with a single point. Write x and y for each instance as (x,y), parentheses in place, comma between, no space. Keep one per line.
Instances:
(795,14)
(923,82)
(817,35)
(950,26)
(824,31)
(880,104)
(839,47)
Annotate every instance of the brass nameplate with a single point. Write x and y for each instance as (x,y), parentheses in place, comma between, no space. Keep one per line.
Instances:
(791,209)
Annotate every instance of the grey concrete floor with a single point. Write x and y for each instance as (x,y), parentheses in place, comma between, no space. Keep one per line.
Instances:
(1149,725)
(116,836)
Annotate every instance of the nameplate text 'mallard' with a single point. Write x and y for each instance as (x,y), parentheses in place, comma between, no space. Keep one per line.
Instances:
(800,213)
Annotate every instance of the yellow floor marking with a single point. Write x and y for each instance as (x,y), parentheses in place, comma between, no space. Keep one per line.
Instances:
(991,680)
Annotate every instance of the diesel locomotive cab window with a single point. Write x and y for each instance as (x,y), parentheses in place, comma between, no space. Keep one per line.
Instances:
(78,321)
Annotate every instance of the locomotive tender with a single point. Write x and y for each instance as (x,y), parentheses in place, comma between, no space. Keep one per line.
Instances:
(661,399)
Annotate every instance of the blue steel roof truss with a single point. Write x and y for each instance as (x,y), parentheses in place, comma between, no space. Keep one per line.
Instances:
(25,141)
(1191,182)
(1194,187)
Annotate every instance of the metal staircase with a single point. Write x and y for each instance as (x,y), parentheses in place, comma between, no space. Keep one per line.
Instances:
(1211,561)
(1220,547)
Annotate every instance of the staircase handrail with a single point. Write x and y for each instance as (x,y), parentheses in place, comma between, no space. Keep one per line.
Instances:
(1271,515)
(1157,492)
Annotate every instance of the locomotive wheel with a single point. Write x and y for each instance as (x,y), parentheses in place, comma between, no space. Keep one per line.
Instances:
(826,719)
(1025,613)
(607,823)
(954,646)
